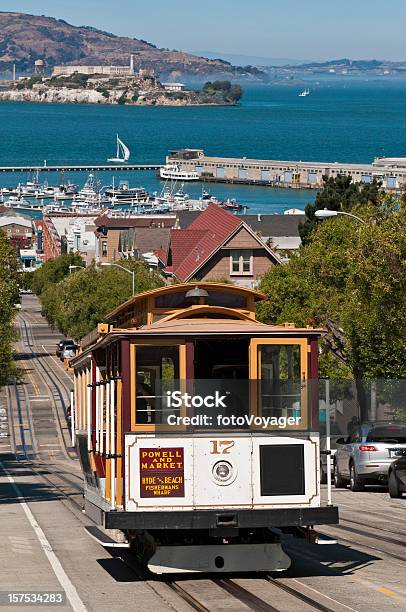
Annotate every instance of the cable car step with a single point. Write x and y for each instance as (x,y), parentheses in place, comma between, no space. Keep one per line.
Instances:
(103,539)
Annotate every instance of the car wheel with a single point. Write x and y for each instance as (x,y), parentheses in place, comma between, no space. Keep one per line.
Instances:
(355,483)
(394,489)
(339,482)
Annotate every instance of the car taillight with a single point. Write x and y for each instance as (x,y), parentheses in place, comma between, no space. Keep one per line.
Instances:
(367,449)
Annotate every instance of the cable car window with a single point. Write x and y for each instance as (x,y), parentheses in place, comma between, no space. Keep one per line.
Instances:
(215,298)
(157,369)
(280,380)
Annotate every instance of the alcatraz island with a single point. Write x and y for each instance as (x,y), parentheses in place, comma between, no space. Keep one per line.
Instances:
(120,85)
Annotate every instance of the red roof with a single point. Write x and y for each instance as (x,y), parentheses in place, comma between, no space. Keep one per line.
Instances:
(161,254)
(183,242)
(193,246)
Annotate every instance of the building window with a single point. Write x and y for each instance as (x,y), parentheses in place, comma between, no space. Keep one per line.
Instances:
(241,262)
(104,248)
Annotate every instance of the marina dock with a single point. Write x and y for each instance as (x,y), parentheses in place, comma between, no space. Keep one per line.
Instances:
(287,174)
(82,168)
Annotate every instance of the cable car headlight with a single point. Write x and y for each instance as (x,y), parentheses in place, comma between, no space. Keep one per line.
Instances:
(223,473)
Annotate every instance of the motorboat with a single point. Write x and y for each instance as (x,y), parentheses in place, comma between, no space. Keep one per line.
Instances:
(125,193)
(231,205)
(174,172)
(90,193)
(16,202)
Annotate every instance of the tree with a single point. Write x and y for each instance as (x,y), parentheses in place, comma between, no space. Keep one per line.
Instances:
(80,301)
(8,297)
(54,270)
(338,193)
(351,280)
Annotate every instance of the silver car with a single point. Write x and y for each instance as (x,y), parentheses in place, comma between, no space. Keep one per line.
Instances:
(365,456)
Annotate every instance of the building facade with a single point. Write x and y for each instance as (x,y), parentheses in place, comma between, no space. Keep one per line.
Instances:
(297,174)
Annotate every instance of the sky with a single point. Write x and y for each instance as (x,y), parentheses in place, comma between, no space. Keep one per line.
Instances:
(317,29)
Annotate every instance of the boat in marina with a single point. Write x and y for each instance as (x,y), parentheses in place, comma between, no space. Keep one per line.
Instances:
(122,154)
(90,194)
(52,209)
(231,205)
(174,172)
(126,194)
(17,203)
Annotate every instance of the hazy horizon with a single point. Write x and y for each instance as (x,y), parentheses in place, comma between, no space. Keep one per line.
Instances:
(261,28)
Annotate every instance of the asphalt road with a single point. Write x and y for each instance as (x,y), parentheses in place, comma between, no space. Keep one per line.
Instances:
(44,545)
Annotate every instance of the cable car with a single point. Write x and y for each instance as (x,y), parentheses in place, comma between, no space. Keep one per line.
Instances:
(197,430)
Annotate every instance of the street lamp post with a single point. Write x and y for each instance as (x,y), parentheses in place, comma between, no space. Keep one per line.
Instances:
(108,264)
(325,213)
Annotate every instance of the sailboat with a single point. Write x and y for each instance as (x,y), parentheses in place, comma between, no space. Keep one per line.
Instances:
(304,93)
(123,153)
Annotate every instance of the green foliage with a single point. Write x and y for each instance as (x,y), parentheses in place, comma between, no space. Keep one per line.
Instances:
(350,279)
(105,92)
(54,271)
(8,297)
(25,280)
(223,89)
(81,300)
(123,98)
(29,83)
(338,193)
(77,80)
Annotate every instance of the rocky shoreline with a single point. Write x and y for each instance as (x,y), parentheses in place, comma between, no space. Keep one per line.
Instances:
(125,92)
(78,96)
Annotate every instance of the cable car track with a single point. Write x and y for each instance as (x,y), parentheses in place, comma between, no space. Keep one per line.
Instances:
(54,391)
(241,594)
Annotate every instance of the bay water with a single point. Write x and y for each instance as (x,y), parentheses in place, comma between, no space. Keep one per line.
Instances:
(348,119)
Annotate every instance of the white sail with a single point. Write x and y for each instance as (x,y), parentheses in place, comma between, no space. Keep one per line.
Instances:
(123,152)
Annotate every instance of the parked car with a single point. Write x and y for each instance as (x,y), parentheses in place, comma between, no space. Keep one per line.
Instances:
(61,345)
(367,454)
(397,475)
(68,352)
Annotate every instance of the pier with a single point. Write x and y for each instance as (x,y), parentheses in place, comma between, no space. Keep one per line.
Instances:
(82,168)
(391,172)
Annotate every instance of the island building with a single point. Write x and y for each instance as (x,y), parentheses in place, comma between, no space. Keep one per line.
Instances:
(39,67)
(111,71)
(174,87)
(391,172)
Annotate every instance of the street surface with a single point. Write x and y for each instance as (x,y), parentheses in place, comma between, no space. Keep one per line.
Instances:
(44,546)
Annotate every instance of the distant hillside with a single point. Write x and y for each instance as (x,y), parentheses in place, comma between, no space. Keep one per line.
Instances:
(25,38)
(345,66)
(239,59)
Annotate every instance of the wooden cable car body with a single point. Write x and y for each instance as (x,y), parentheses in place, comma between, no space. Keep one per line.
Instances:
(197,430)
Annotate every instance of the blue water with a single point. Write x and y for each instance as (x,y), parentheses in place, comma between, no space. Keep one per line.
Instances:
(351,120)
